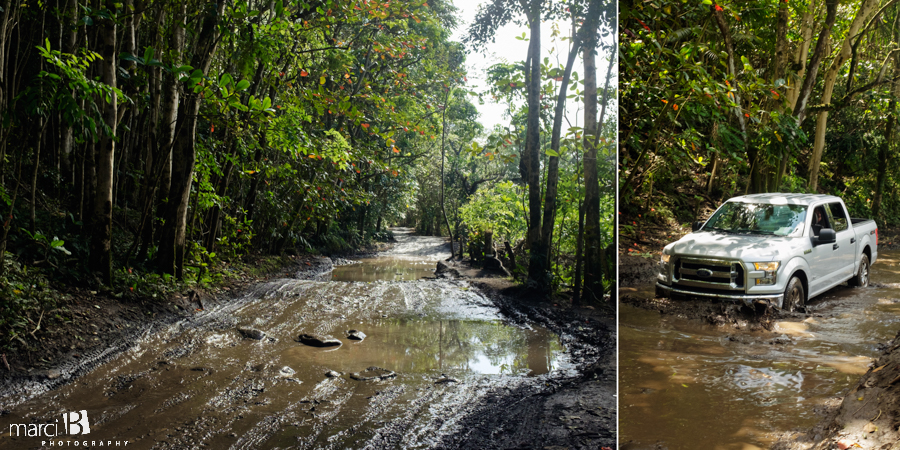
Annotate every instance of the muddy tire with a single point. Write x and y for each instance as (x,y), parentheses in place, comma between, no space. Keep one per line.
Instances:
(861,279)
(793,295)
(660,293)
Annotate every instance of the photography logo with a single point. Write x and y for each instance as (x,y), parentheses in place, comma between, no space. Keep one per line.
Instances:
(73,423)
(73,426)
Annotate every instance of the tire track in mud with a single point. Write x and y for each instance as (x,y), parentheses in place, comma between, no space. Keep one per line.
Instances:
(198,382)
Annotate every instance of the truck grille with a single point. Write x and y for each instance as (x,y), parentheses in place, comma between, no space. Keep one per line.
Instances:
(709,273)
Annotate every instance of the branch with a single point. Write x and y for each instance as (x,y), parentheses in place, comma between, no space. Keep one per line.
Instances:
(845,101)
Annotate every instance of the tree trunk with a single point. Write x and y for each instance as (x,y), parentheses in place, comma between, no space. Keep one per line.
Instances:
(594,257)
(101,216)
(801,54)
(184,152)
(537,263)
(579,249)
(816,60)
(443,146)
(553,162)
(865,9)
(885,149)
(752,153)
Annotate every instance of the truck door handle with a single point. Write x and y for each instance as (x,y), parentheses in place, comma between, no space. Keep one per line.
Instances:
(835,247)
(852,240)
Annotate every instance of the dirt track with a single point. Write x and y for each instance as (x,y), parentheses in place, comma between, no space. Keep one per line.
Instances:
(192,379)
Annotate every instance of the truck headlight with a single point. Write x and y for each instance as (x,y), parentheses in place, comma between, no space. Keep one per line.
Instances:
(769,269)
(664,258)
(767,266)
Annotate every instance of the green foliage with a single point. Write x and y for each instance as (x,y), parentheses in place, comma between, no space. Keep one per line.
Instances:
(26,302)
(499,208)
(68,89)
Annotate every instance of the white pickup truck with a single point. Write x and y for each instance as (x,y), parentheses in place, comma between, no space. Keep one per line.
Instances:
(777,249)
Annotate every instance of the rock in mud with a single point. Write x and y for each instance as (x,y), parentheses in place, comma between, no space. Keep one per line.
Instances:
(286,371)
(444,379)
(332,374)
(373,373)
(53,374)
(445,271)
(355,335)
(252,333)
(317,340)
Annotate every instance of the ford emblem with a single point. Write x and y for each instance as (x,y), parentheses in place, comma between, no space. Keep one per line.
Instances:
(705,273)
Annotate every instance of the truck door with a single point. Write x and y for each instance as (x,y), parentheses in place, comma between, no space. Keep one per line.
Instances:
(845,243)
(822,260)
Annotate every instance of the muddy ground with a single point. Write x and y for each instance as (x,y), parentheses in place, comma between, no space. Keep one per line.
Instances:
(102,325)
(575,410)
(867,417)
(638,273)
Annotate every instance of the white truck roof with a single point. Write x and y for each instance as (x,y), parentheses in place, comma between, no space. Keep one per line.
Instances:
(779,198)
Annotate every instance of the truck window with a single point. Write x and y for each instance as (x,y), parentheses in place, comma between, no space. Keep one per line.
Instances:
(838,216)
(758,218)
(820,220)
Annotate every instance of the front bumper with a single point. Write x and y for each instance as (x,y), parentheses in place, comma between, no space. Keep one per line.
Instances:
(747,299)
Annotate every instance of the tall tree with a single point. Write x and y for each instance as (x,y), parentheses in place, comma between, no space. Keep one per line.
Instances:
(101,216)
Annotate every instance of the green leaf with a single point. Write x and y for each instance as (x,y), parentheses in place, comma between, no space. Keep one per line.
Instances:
(243,84)
(225,80)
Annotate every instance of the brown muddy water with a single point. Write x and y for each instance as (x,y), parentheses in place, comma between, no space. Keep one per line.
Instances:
(686,385)
(201,383)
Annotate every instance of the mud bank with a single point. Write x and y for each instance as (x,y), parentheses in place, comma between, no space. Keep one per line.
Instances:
(868,417)
(577,411)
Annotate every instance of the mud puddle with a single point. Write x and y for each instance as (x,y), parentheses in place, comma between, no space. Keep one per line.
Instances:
(679,375)
(430,350)
(384,269)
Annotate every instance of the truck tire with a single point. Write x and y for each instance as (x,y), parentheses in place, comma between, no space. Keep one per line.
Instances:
(793,295)
(861,279)
(660,293)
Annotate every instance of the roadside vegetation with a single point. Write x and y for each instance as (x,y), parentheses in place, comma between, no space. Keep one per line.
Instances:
(723,99)
(149,147)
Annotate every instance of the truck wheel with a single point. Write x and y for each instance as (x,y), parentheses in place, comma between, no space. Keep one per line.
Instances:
(861,278)
(793,295)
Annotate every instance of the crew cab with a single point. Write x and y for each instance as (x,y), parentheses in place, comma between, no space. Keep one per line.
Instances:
(777,249)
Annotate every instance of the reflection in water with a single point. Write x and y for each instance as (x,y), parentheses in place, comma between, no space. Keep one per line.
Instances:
(200,382)
(439,346)
(386,269)
(677,375)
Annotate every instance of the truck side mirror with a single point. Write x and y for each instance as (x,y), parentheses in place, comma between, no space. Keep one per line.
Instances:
(696,226)
(826,236)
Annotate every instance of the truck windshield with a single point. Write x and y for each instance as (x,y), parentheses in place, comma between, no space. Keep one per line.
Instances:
(758,218)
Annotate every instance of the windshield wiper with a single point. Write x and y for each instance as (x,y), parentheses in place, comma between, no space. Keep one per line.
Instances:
(755,232)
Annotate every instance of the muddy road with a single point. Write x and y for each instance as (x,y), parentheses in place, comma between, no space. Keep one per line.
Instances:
(427,364)
(679,371)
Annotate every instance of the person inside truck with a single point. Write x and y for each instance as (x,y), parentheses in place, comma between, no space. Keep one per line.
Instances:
(820,220)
